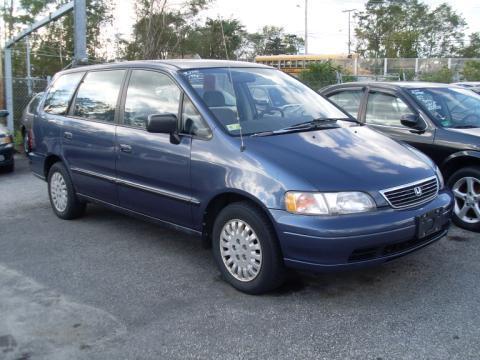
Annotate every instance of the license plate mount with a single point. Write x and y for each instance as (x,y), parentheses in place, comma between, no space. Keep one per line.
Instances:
(430,223)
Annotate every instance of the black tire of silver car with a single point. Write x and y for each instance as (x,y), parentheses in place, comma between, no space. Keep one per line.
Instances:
(465,185)
(10,167)
(246,249)
(64,201)
(26,143)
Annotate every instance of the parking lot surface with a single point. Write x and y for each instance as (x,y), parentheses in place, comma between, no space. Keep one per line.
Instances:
(108,286)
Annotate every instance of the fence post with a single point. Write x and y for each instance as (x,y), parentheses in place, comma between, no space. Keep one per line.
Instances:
(449,63)
(416,67)
(385,67)
(9,87)
(29,74)
(355,66)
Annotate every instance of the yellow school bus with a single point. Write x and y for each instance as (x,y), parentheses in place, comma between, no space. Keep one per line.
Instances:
(293,64)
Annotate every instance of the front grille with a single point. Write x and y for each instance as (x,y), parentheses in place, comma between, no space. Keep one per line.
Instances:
(412,194)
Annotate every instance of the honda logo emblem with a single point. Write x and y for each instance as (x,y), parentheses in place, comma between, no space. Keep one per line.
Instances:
(418,191)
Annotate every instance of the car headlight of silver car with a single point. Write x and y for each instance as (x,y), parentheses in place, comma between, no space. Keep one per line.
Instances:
(339,203)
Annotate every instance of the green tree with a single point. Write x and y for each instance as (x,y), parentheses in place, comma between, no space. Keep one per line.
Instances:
(472,50)
(408,28)
(217,39)
(471,70)
(161,30)
(273,40)
(318,75)
(444,75)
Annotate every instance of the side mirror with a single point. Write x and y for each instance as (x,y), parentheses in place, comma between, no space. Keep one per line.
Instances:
(3,113)
(412,121)
(162,123)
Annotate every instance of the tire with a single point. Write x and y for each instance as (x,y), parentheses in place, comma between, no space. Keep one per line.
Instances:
(465,184)
(10,168)
(26,146)
(266,270)
(64,201)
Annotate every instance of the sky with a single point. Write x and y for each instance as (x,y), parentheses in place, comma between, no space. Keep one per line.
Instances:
(327,25)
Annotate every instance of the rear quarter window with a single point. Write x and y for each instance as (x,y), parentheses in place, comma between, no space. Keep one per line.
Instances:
(61,92)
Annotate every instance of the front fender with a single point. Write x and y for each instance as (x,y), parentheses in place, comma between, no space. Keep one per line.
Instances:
(448,165)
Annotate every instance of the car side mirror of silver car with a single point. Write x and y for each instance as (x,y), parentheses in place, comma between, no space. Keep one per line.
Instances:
(3,113)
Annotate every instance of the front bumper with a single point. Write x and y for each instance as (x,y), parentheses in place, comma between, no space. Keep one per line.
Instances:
(331,243)
(6,154)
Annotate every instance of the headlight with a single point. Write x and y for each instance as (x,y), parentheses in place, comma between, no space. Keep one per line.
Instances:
(441,181)
(308,203)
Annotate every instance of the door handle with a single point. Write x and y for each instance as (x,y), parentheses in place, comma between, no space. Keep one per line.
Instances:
(68,135)
(125,148)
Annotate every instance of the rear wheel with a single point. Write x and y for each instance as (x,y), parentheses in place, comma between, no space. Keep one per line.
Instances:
(246,249)
(10,167)
(26,143)
(63,199)
(465,185)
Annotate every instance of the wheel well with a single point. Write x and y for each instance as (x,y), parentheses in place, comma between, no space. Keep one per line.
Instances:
(457,163)
(49,161)
(215,206)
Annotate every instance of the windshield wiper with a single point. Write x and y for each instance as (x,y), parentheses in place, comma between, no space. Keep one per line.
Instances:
(320,123)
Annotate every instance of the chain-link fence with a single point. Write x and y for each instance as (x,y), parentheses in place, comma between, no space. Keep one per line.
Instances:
(405,69)
(23,90)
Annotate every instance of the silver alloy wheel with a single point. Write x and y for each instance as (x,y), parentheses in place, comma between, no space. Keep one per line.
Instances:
(58,192)
(240,250)
(467,199)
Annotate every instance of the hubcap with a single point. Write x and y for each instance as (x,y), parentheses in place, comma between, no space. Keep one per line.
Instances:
(467,199)
(58,192)
(240,249)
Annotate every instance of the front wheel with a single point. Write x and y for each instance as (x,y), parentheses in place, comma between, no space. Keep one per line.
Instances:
(246,249)
(63,199)
(465,185)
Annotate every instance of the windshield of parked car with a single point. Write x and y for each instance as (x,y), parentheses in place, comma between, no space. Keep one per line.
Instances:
(451,107)
(254,100)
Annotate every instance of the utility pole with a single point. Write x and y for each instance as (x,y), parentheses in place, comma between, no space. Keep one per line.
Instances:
(306,27)
(349,25)
(80,32)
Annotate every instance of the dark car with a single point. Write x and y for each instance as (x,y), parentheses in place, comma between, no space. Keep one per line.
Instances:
(184,144)
(441,120)
(28,115)
(7,162)
(471,85)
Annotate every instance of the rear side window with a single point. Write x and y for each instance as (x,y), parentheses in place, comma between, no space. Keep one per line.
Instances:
(348,100)
(61,92)
(32,107)
(149,93)
(97,96)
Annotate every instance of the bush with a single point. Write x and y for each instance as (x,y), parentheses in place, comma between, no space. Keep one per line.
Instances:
(471,70)
(318,75)
(445,75)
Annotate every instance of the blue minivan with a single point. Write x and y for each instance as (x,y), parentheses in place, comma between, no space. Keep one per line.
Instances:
(258,165)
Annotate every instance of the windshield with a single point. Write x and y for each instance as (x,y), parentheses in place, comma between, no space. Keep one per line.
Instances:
(451,107)
(253,100)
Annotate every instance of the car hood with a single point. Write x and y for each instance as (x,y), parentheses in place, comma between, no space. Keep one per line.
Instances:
(341,159)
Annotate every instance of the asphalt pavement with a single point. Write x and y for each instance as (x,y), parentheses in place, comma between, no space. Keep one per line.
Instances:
(108,286)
